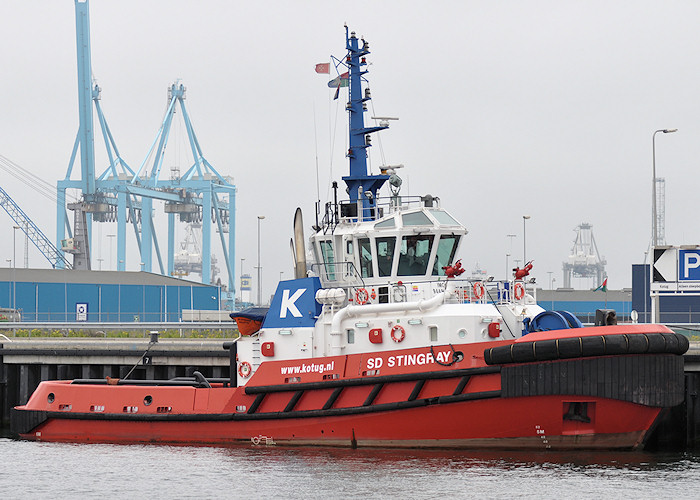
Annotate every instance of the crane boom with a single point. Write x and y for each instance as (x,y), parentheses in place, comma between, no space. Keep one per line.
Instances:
(47,249)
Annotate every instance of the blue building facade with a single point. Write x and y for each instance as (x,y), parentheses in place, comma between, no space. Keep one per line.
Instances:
(101,296)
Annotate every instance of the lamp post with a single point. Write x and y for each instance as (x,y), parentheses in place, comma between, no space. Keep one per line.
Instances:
(551,291)
(510,252)
(525,217)
(14,246)
(260,217)
(646,287)
(654,227)
(9,264)
(111,240)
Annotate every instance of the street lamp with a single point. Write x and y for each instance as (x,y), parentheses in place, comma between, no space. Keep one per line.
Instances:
(525,217)
(654,228)
(110,236)
(14,247)
(260,217)
(509,253)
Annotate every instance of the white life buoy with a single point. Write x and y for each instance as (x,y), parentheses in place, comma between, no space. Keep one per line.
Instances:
(244,369)
(519,291)
(479,290)
(398,333)
(361,296)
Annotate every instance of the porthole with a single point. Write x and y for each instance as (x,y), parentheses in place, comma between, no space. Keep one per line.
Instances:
(462,334)
(148,400)
(51,397)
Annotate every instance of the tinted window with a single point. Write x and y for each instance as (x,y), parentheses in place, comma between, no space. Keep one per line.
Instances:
(447,246)
(328,259)
(416,219)
(385,254)
(415,253)
(365,257)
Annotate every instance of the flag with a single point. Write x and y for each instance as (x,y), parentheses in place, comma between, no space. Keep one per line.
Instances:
(337,91)
(323,68)
(340,81)
(603,287)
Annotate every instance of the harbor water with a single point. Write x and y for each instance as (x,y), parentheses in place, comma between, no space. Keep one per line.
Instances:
(58,470)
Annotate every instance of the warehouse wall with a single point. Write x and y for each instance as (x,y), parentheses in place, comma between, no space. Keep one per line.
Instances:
(115,302)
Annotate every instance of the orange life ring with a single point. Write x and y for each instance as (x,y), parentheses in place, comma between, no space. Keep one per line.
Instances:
(244,369)
(519,291)
(361,296)
(479,290)
(398,333)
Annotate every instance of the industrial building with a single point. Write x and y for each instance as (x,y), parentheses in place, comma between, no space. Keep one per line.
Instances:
(583,303)
(57,295)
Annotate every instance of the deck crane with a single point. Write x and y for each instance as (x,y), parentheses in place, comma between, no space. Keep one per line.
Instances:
(38,238)
(121,194)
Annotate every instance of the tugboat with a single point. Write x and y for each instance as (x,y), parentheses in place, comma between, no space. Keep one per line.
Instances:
(379,342)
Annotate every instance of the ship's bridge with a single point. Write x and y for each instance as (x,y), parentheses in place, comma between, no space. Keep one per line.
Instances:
(409,245)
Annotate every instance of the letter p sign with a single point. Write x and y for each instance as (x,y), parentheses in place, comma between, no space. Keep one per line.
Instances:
(690,262)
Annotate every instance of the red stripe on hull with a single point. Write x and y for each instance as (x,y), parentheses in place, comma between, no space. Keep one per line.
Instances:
(533,422)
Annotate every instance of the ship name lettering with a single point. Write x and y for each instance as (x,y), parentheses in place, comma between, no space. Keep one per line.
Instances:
(421,358)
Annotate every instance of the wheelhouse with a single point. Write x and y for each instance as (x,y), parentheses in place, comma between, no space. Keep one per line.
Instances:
(408,244)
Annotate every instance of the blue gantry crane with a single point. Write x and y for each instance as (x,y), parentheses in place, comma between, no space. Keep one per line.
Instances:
(123,195)
(37,237)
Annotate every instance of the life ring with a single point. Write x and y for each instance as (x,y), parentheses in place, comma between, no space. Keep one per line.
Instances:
(519,291)
(479,290)
(398,333)
(361,296)
(244,369)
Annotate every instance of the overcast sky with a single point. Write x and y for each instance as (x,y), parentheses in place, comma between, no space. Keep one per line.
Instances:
(506,108)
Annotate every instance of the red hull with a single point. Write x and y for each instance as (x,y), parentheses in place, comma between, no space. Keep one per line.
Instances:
(444,397)
(534,423)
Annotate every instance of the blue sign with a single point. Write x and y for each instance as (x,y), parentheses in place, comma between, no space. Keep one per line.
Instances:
(294,304)
(689,265)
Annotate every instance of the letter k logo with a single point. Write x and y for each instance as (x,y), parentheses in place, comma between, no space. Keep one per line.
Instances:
(288,303)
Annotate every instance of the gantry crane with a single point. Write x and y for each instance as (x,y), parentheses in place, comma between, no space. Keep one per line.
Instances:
(121,194)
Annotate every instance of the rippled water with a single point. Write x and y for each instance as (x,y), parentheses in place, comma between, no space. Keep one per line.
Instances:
(53,470)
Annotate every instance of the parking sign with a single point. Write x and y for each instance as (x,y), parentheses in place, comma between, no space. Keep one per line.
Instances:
(689,265)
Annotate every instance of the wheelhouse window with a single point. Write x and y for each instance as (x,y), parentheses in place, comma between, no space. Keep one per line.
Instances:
(328,258)
(416,219)
(385,224)
(414,255)
(385,254)
(444,218)
(447,247)
(365,251)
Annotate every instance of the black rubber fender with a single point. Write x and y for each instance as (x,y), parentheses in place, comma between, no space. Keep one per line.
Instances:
(581,347)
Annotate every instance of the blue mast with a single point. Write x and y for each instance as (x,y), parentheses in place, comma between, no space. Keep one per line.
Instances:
(361,186)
